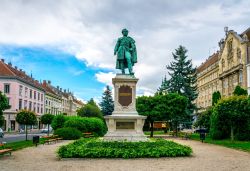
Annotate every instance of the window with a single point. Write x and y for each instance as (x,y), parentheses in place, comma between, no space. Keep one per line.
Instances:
(20,90)
(8,100)
(30,106)
(239,55)
(20,104)
(38,105)
(25,104)
(41,108)
(38,96)
(34,107)
(30,93)
(34,94)
(240,77)
(7,88)
(26,92)
(225,84)
(41,97)
(223,64)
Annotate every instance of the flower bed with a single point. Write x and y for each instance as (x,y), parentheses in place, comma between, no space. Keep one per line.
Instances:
(96,148)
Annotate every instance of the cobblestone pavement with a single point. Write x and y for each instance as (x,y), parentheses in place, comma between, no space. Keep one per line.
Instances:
(205,157)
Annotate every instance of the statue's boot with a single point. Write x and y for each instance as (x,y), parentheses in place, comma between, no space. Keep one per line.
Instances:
(123,71)
(131,71)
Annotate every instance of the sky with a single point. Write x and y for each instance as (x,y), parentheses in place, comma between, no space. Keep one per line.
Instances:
(71,42)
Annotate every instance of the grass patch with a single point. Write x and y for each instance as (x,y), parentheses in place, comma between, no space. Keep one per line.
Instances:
(155,133)
(21,144)
(96,148)
(240,145)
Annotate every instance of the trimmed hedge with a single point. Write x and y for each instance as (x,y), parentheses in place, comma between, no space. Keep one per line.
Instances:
(68,133)
(58,121)
(84,124)
(95,148)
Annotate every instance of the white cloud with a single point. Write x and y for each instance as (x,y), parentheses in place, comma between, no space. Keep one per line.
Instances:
(105,78)
(89,29)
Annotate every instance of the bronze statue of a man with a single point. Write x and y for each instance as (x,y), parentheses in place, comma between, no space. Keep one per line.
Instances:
(126,53)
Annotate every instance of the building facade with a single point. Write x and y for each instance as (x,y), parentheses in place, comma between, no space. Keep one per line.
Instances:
(207,81)
(22,91)
(225,69)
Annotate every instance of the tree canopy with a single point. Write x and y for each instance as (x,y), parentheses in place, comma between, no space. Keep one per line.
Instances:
(216,97)
(238,91)
(25,117)
(4,104)
(47,119)
(90,110)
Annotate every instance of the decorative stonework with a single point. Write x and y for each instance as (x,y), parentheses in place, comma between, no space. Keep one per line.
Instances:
(125,123)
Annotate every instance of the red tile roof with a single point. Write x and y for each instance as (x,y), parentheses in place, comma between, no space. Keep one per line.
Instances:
(210,61)
(8,71)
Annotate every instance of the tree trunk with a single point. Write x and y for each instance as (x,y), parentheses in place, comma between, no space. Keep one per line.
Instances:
(26,132)
(232,133)
(48,129)
(151,129)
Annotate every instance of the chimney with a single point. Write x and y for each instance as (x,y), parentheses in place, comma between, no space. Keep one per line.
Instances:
(44,82)
(60,89)
(57,87)
(10,64)
(49,82)
(2,60)
(64,90)
(21,70)
(16,67)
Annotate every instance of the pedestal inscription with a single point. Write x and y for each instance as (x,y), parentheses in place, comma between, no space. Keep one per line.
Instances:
(125,125)
(125,95)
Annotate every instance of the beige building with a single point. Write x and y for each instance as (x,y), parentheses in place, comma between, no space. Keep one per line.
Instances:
(207,81)
(226,69)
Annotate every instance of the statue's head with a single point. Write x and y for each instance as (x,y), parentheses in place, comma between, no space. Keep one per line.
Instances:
(124,32)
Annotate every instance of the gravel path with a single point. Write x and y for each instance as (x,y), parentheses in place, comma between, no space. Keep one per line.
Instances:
(205,157)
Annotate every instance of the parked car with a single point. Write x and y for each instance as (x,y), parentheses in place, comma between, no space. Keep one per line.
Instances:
(1,133)
(45,130)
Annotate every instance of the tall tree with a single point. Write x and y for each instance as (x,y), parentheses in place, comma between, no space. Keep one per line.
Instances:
(26,118)
(182,79)
(4,104)
(216,97)
(107,103)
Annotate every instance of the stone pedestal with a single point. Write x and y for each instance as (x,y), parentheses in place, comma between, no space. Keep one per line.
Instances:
(125,123)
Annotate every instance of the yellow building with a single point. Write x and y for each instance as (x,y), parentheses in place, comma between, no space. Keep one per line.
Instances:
(207,81)
(226,69)
(234,57)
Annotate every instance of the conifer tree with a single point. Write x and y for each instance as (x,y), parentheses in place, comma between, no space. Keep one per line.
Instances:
(182,78)
(107,103)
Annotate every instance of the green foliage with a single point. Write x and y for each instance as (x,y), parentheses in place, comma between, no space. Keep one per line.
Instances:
(238,91)
(107,103)
(58,121)
(68,133)
(182,79)
(94,148)
(90,110)
(47,118)
(163,107)
(3,106)
(231,118)
(216,97)
(84,124)
(26,118)
(203,119)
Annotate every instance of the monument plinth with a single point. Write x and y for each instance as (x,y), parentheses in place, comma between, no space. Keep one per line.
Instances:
(125,123)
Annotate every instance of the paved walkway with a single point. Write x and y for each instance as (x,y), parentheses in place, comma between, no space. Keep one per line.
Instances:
(205,157)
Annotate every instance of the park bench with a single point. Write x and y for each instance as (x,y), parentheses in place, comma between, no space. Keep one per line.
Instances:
(87,134)
(52,138)
(4,151)
(50,141)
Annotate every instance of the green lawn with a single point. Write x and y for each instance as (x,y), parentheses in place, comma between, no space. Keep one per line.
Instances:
(155,132)
(21,144)
(240,145)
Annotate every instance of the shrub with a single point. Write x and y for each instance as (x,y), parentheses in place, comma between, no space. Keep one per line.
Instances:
(90,110)
(94,148)
(58,121)
(84,124)
(68,133)
(231,118)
